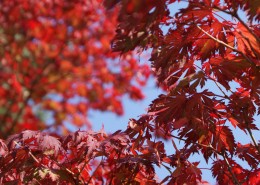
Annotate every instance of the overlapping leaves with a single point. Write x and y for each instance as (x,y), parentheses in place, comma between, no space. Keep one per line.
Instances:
(207,42)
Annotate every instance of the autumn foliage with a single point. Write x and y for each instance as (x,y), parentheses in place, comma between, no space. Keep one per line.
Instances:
(56,58)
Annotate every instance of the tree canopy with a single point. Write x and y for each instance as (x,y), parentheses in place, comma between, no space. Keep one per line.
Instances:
(61,49)
(56,59)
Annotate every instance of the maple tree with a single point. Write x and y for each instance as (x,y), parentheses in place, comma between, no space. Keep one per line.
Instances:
(49,47)
(206,42)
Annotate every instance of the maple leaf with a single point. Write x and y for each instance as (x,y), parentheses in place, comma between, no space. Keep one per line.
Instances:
(219,171)
(90,145)
(3,148)
(48,66)
(29,135)
(58,60)
(227,140)
(247,153)
(246,42)
(233,121)
(49,144)
(167,108)
(45,173)
(254,177)
(120,137)
(110,3)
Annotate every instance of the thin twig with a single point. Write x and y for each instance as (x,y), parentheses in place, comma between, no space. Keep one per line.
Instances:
(234,14)
(252,48)
(81,170)
(225,95)
(199,144)
(217,40)
(245,114)
(253,139)
(230,170)
(246,26)
(95,170)
(212,79)
(228,46)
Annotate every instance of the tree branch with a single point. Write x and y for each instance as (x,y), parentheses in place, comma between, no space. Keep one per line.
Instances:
(25,102)
(225,44)
(217,40)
